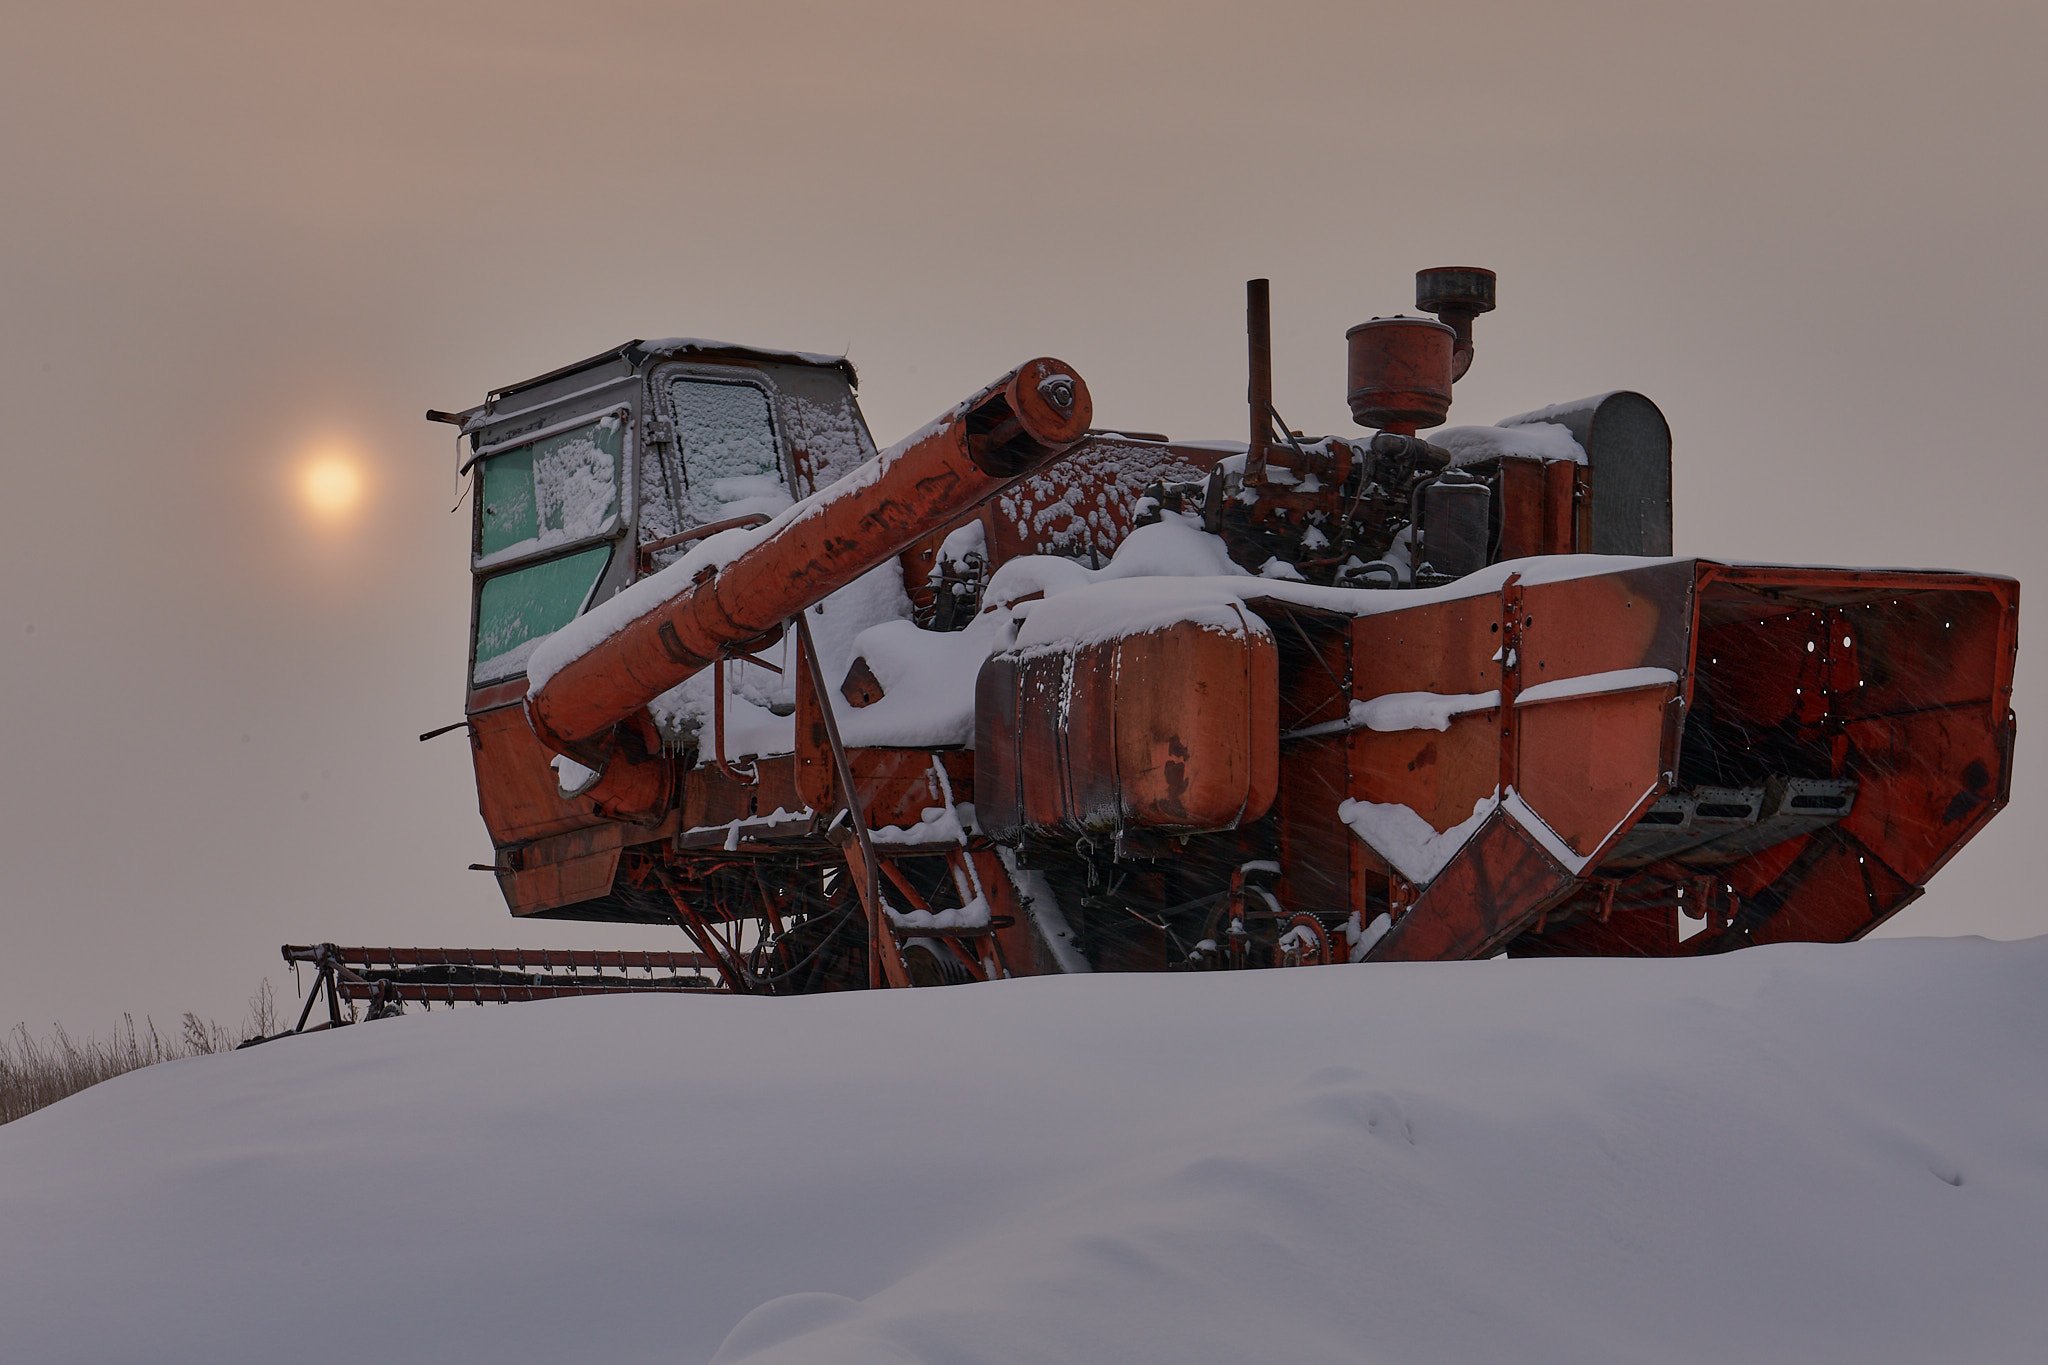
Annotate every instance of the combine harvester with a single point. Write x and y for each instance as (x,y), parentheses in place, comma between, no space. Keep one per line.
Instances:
(1018,696)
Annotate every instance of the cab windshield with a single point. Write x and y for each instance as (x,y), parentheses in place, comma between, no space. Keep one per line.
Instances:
(732,464)
(539,504)
(519,608)
(553,491)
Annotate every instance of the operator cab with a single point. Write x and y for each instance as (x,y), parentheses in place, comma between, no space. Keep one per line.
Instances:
(592,476)
(586,479)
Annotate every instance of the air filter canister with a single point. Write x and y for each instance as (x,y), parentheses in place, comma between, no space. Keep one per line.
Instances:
(1400,373)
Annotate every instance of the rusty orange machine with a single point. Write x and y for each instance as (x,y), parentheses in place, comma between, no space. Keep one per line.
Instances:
(1020,696)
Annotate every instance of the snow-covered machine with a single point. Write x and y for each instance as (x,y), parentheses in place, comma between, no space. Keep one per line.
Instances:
(1021,696)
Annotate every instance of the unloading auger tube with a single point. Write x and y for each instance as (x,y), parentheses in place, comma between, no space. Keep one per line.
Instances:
(1016,426)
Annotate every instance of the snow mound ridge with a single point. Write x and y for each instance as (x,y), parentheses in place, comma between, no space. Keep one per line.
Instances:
(1786,1154)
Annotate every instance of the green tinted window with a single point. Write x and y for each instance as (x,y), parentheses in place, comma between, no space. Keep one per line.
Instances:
(552,491)
(507,501)
(516,611)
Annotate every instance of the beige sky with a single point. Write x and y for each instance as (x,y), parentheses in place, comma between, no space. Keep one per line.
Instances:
(234,231)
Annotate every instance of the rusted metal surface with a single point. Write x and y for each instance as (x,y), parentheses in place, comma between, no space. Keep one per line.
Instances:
(1491,891)
(1259,388)
(1456,294)
(885,965)
(649,549)
(1543,502)
(504,993)
(501,959)
(1082,507)
(1400,373)
(1879,694)
(1172,729)
(517,792)
(1640,756)
(386,979)
(563,869)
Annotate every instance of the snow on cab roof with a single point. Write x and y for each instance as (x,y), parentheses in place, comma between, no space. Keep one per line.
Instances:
(636,353)
(700,346)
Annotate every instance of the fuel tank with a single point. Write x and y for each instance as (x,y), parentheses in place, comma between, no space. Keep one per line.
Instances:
(1169,727)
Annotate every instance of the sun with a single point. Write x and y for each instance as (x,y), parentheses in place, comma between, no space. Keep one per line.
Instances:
(331,486)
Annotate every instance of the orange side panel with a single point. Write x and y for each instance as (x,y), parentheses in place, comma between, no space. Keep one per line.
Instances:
(1438,774)
(1560,507)
(1832,894)
(897,786)
(1493,889)
(1523,521)
(1914,640)
(1448,648)
(1933,649)
(1928,782)
(711,798)
(1442,647)
(1637,618)
(1588,764)
(563,871)
(517,790)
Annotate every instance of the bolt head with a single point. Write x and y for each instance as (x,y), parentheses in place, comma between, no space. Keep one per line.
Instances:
(1058,390)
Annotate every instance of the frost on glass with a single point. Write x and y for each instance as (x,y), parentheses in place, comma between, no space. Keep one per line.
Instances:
(518,609)
(553,491)
(831,434)
(731,464)
(660,494)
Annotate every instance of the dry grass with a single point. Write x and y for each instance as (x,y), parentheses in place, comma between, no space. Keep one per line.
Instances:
(36,1072)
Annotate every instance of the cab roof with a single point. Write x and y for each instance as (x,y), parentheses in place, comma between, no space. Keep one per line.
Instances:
(637,353)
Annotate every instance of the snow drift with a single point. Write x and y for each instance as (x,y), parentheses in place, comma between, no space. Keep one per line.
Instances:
(1786,1154)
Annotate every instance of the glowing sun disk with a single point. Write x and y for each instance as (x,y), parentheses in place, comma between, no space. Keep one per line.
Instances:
(331,486)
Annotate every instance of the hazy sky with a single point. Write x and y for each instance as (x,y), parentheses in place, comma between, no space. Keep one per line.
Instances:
(233,233)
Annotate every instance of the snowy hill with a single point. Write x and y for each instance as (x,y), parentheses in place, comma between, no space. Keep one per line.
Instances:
(1789,1154)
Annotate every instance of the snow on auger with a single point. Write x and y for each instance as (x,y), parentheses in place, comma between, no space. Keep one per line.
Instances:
(1020,696)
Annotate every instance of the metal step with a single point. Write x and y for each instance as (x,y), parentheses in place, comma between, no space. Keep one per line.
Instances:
(1712,826)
